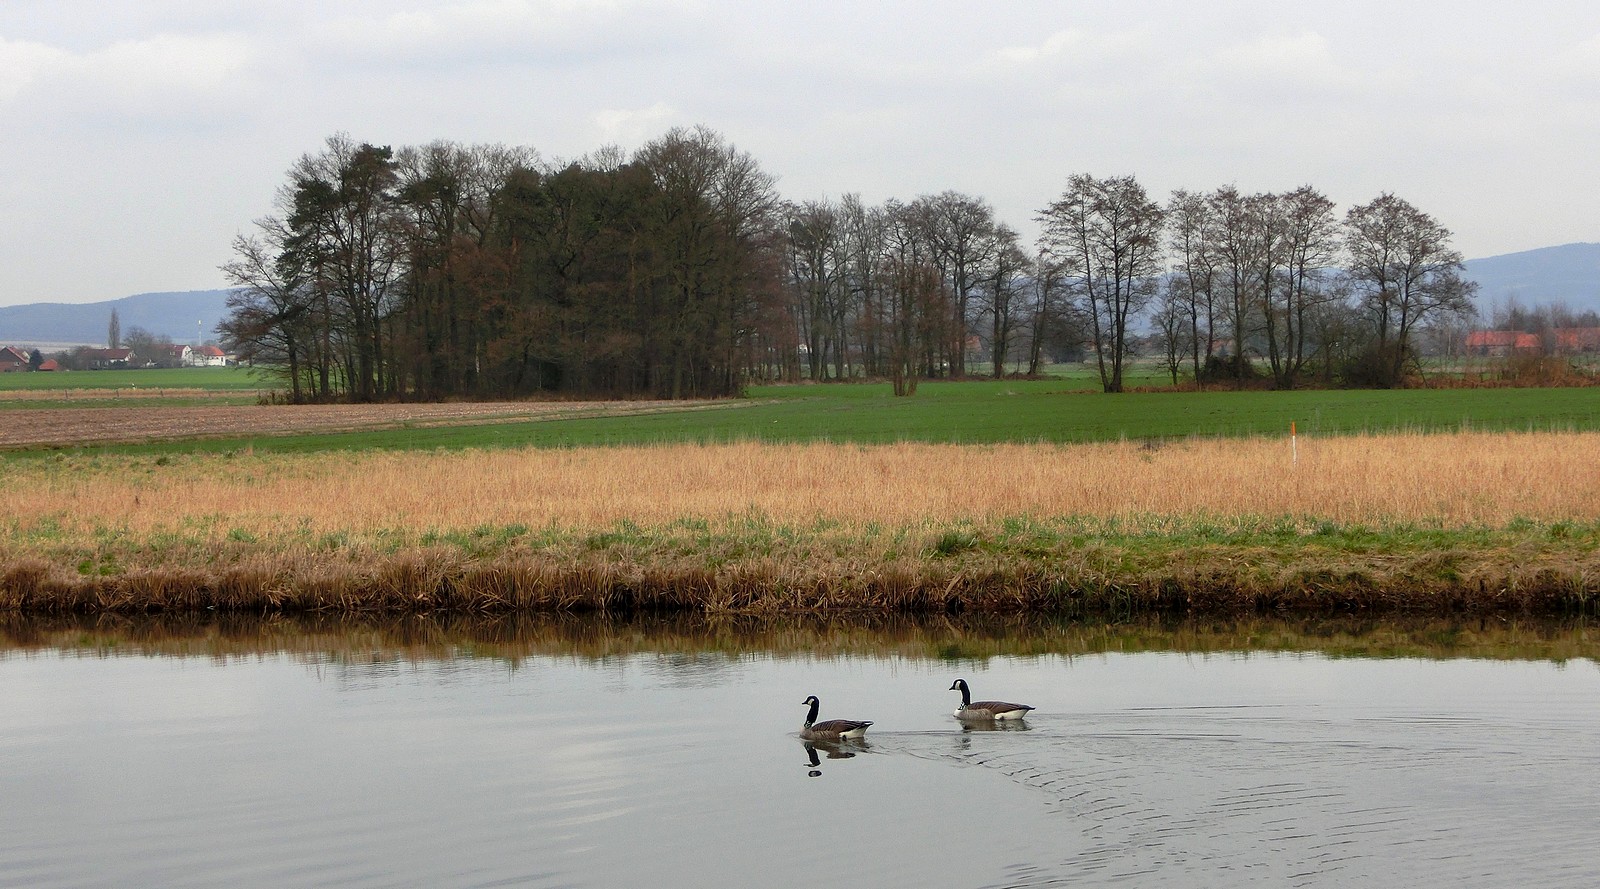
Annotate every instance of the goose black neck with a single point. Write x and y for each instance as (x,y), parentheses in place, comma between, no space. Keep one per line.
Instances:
(966,693)
(811,715)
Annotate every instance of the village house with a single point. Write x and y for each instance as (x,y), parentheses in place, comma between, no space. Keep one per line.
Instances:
(1555,341)
(1573,340)
(208,356)
(1500,343)
(13,359)
(107,359)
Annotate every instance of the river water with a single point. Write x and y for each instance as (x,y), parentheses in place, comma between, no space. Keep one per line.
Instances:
(600,755)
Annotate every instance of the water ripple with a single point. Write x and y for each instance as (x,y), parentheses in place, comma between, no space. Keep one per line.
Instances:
(1268,796)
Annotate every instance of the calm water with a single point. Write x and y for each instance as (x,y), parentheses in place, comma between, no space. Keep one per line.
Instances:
(280,767)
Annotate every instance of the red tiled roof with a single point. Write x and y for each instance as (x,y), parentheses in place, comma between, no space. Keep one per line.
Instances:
(1478,339)
(1566,339)
(109,354)
(1576,338)
(1502,339)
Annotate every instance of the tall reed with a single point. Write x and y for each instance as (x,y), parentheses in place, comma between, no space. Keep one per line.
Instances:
(1462,479)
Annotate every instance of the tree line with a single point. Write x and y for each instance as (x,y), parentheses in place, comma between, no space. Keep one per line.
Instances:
(452,270)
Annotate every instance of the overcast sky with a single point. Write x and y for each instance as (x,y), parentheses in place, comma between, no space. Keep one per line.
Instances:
(138,137)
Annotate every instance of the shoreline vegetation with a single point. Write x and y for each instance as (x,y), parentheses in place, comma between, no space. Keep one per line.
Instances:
(1466,523)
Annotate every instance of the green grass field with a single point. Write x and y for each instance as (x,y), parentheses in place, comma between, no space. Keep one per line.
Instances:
(980,413)
(215,379)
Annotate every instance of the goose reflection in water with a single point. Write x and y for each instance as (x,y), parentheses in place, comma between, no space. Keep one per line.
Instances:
(843,750)
(996,725)
(963,739)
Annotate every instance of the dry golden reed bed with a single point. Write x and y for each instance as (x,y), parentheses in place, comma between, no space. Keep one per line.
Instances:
(817,526)
(1484,479)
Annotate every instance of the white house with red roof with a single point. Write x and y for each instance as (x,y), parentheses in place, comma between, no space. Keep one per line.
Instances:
(208,356)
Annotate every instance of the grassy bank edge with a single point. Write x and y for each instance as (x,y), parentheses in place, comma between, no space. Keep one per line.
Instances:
(1073,567)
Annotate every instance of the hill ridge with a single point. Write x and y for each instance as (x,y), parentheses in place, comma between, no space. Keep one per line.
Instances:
(184,316)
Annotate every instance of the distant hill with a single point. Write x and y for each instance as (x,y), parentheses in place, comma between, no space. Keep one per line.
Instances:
(1568,274)
(163,314)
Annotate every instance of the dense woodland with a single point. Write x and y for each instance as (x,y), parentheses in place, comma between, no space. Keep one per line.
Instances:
(452,270)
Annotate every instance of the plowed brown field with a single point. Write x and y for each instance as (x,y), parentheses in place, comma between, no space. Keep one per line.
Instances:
(60,427)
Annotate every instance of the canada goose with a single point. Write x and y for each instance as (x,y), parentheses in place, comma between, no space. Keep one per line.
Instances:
(986,709)
(833,729)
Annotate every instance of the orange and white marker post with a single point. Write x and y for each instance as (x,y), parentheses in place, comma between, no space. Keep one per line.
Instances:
(1294,446)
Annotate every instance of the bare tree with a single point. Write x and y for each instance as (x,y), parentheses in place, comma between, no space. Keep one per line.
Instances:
(812,243)
(1002,288)
(1049,308)
(961,230)
(1238,255)
(270,311)
(1310,242)
(865,258)
(1265,230)
(148,349)
(1406,271)
(1108,233)
(1189,233)
(916,305)
(1173,320)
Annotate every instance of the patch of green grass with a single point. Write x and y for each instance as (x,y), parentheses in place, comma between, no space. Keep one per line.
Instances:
(213,379)
(954,542)
(479,542)
(102,565)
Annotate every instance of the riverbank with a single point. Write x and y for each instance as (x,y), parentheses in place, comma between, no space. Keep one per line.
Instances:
(1466,523)
(1063,566)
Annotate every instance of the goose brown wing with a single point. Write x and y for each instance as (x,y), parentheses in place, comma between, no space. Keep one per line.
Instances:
(839,726)
(997,706)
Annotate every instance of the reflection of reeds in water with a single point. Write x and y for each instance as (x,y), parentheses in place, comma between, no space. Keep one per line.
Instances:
(513,637)
(1395,522)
